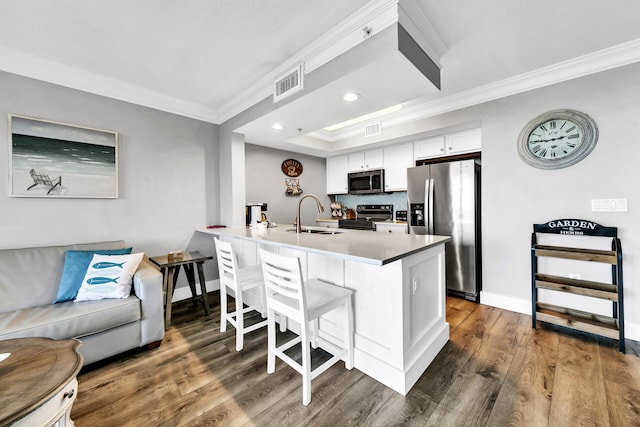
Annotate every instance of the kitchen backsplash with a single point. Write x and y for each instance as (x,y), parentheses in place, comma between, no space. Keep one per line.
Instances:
(398,199)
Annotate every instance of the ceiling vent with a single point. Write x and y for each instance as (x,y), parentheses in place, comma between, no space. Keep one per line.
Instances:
(290,83)
(373,129)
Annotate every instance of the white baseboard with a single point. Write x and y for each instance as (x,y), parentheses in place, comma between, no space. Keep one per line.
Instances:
(184,292)
(631,330)
(507,303)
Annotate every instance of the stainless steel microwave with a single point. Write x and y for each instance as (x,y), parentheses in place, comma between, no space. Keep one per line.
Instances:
(366,182)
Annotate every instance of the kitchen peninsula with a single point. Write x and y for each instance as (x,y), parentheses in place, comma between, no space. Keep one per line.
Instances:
(399,291)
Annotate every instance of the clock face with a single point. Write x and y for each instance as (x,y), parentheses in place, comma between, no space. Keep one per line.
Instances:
(557,139)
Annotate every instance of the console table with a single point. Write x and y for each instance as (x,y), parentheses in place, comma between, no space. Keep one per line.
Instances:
(38,381)
(170,270)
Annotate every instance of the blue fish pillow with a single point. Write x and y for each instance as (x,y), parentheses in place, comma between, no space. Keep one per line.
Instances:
(75,267)
(109,276)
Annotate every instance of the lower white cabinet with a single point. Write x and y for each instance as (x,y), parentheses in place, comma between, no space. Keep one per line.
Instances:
(392,227)
(327,223)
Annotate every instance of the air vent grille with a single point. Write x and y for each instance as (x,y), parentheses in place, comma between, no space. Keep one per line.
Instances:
(373,129)
(288,84)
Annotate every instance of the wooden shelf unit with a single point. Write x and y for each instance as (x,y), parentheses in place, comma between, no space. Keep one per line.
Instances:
(608,326)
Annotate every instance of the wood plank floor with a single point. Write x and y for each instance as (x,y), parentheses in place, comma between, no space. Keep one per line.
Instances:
(495,371)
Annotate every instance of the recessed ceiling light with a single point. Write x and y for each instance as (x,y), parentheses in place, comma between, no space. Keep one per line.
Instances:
(364,118)
(277,126)
(351,96)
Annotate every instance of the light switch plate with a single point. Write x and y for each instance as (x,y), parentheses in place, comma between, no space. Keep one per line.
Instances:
(609,205)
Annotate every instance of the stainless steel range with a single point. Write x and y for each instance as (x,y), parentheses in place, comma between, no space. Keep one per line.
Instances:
(366,217)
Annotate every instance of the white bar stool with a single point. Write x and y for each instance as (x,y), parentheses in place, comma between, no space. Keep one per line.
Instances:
(303,302)
(238,280)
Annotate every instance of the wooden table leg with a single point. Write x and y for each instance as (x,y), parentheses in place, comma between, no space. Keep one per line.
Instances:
(191,279)
(170,279)
(203,288)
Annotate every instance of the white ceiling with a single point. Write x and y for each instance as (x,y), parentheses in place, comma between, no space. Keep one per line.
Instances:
(195,57)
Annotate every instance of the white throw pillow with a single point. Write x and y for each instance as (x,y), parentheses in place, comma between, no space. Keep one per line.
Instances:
(109,276)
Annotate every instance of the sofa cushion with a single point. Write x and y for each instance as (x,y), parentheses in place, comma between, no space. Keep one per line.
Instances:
(68,319)
(109,276)
(29,277)
(76,264)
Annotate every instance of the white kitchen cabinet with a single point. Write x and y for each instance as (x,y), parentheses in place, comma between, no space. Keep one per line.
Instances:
(392,227)
(327,223)
(365,160)
(430,147)
(337,170)
(467,141)
(397,159)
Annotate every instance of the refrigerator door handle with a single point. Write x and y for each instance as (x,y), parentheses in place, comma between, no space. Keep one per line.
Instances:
(429,207)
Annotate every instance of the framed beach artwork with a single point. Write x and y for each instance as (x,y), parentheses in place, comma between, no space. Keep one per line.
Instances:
(49,159)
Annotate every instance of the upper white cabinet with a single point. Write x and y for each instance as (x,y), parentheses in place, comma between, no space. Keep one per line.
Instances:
(430,147)
(337,170)
(463,142)
(397,159)
(364,160)
(467,141)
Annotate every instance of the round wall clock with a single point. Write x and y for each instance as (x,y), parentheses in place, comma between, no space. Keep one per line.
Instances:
(557,139)
(291,167)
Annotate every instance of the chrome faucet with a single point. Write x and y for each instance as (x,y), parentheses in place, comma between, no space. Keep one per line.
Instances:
(320,209)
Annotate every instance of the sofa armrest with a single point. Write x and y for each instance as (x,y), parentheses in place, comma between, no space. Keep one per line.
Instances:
(147,285)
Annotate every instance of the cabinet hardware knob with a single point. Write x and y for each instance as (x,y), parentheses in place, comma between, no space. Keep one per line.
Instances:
(69,394)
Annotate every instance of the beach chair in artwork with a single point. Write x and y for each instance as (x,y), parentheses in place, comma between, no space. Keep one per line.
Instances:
(42,178)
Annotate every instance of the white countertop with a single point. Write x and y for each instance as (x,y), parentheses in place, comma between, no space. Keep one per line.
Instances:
(355,245)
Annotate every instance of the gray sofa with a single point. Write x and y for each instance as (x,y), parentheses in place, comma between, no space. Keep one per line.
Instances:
(29,281)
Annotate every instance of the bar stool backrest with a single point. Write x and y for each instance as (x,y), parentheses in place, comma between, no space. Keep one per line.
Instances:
(284,286)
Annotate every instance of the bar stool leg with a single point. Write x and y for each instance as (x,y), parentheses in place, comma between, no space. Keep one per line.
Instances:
(348,331)
(271,342)
(306,366)
(223,308)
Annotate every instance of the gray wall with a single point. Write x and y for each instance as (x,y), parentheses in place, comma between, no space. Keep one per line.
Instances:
(265,182)
(167,167)
(515,195)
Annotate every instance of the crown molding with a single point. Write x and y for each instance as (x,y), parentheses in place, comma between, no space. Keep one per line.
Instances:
(341,38)
(24,64)
(413,18)
(376,15)
(592,63)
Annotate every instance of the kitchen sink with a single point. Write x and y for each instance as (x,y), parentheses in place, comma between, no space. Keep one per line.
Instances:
(315,231)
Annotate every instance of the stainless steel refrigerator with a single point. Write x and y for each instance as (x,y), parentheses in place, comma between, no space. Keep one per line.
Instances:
(444,198)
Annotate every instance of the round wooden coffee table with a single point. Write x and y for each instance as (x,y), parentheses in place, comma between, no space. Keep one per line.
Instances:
(38,381)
